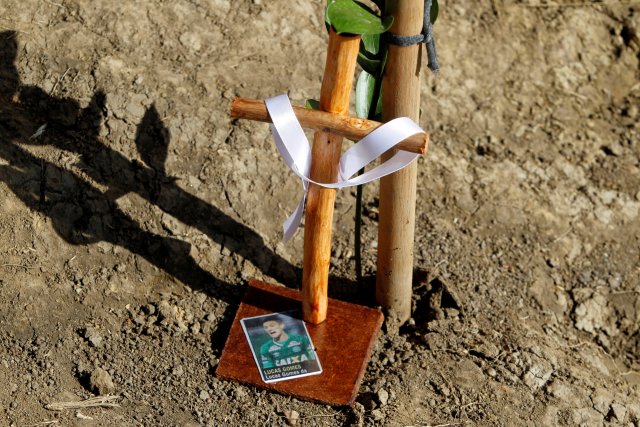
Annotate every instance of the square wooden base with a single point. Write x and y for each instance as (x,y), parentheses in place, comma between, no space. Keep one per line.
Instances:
(343,343)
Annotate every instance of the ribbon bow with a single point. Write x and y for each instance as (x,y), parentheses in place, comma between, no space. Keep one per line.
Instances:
(290,141)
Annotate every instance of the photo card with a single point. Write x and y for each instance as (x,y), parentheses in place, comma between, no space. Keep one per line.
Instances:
(281,346)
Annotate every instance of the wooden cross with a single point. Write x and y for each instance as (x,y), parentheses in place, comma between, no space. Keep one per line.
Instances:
(331,123)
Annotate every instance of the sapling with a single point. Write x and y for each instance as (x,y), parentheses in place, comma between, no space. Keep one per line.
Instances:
(351,17)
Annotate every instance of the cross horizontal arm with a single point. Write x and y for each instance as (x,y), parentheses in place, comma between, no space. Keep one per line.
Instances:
(352,128)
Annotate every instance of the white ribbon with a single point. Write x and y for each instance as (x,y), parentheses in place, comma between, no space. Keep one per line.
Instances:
(294,148)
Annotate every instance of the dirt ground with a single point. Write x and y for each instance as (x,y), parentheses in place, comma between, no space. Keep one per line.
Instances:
(131,224)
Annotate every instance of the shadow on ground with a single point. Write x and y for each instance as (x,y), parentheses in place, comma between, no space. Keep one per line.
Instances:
(83,214)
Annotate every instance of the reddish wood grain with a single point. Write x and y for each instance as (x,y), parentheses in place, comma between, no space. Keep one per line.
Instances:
(349,127)
(337,82)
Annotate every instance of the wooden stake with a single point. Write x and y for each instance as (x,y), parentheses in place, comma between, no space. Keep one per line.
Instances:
(349,127)
(342,54)
(400,97)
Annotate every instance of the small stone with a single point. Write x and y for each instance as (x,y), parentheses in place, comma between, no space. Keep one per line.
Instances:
(195,328)
(204,395)
(488,350)
(201,298)
(608,196)
(383,397)
(101,382)
(634,410)
(150,309)
(93,336)
(378,415)
(537,376)
(292,417)
(240,393)
(559,390)
(591,313)
(177,371)
(191,40)
(167,313)
(619,411)
(81,416)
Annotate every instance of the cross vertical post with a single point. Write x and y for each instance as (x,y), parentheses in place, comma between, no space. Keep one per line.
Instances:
(337,82)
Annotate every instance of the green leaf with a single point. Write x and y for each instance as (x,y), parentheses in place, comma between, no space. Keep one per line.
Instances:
(348,16)
(312,104)
(327,22)
(433,13)
(365,87)
(371,43)
(371,66)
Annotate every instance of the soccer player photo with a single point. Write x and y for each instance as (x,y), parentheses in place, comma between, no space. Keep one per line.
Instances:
(281,346)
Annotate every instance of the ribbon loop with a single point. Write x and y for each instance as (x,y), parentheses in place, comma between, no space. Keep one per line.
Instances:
(294,148)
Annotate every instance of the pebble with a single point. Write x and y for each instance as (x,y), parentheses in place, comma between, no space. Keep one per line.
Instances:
(537,376)
(204,395)
(101,382)
(377,414)
(634,410)
(591,313)
(167,312)
(150,309)
(619,411)
(93,336)
(177,371)
(292,417)
(632,111)
(240,393)
(383,397)
(191,40)
(602,399)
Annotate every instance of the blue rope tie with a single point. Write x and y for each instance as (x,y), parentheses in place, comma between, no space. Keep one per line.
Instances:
(426,36)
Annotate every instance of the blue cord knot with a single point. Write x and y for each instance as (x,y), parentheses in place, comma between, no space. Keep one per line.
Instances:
(425,37)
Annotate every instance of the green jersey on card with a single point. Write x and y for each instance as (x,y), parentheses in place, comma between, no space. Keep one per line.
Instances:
(295,349)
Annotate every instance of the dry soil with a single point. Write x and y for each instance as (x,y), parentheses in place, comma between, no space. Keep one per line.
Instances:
(131,223)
